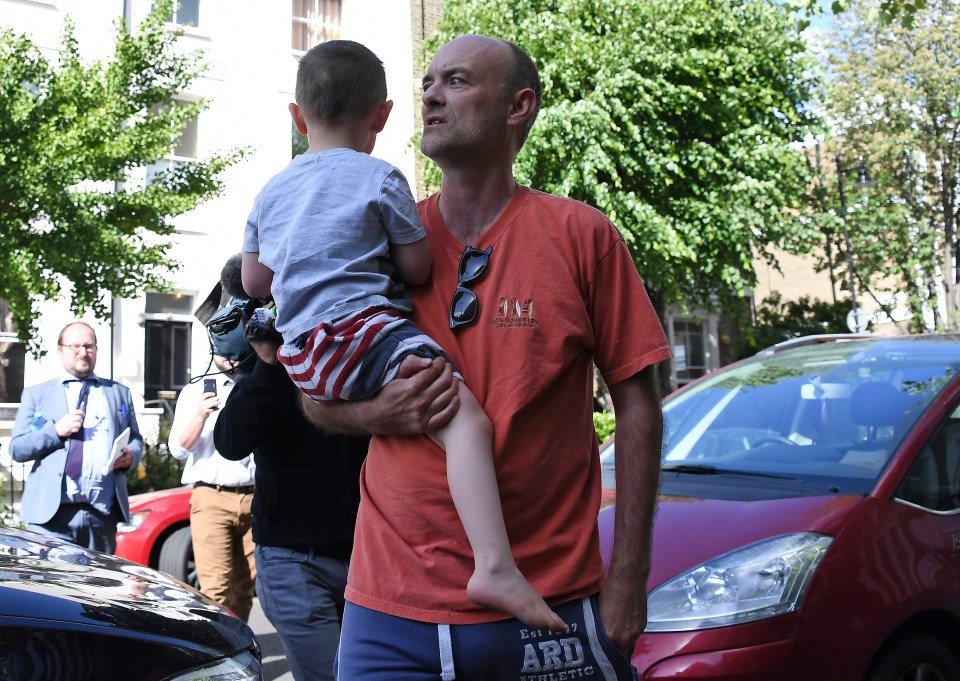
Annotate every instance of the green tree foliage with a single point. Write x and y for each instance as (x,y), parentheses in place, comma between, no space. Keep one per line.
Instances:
(895,92)
(605,423)
(673,117)
(777,320)
(158,469)
(885,11)
(73,220)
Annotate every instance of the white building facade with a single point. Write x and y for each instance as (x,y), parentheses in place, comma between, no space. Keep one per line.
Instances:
(153,344)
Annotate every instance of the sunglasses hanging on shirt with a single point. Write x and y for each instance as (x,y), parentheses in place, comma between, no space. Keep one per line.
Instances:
(465,306)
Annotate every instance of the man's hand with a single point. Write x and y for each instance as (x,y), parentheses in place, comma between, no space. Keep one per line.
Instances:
(69,424)
(124,461)
(266,351)
(623,611)
(421,398)
(209,403)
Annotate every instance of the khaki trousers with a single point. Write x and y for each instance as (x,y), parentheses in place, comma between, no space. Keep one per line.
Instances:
(223,547)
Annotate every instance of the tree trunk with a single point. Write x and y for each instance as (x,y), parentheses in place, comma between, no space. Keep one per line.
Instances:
(951,271)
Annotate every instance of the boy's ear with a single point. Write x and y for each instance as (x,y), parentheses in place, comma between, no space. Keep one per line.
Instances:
(298,119)
(381,115)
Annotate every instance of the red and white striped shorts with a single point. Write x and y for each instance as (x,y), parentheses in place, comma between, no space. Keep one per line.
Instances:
(354,357)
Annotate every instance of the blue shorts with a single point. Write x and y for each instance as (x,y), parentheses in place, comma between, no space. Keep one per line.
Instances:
(379,647)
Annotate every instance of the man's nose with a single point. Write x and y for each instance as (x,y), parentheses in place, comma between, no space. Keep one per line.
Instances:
(431,94)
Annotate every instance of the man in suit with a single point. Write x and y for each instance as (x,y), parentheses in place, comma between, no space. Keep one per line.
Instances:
(67,427)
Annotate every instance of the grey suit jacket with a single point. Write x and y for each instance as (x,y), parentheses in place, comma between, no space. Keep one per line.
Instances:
(35,439)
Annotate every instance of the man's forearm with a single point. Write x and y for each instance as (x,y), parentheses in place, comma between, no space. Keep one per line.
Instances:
(190,434)
(623,601)
(32,445)
(639,442)
(185,430)
(342,418)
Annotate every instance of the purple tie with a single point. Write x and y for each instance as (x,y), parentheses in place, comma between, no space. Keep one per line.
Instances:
(75,443)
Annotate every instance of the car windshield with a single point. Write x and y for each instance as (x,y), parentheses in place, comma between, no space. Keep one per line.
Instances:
(828,416)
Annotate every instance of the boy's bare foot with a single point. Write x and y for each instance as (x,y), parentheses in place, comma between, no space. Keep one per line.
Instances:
(509,591)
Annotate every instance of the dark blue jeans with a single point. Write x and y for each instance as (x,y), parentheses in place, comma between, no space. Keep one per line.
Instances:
(302,596)
(379,647)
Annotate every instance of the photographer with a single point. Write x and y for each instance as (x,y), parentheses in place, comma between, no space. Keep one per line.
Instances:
(222,498)
(304,510)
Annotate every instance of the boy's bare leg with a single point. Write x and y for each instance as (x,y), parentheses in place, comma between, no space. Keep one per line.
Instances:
(496,583)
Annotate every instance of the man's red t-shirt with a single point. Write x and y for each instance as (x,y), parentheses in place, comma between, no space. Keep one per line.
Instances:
(560,293)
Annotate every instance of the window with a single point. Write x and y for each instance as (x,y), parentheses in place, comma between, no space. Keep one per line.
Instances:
(185,13)
(12,360)
(187,142)
(689,350)
(314,21)
(167,326)
(934,479)
(186,148)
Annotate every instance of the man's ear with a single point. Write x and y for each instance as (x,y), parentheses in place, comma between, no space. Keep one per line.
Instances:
(297,114)
(381,115)
(522,106)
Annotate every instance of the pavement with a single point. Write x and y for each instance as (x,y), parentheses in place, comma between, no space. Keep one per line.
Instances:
(275,666)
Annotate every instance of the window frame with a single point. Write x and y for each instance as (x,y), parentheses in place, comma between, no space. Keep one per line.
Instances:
(681,328)
(172,19)
(174,159)
(321,21)
(168,370)
(925,457)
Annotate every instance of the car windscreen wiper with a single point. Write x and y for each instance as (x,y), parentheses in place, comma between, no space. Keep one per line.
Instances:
(702,469)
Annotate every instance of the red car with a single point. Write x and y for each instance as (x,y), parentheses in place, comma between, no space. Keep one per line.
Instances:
(158,534)
(809,518)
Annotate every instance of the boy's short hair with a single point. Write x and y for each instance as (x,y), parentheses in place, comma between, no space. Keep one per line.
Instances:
(339,79)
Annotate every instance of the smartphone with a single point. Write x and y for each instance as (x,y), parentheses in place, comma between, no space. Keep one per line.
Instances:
(210,385)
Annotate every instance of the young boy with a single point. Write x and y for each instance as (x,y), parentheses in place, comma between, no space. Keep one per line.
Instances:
(329,237)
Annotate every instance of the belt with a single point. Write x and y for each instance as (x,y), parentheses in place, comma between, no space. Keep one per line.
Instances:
(246,489)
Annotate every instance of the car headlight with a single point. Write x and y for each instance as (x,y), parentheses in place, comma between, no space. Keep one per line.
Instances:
(753,583)
(237,668)
(136,520)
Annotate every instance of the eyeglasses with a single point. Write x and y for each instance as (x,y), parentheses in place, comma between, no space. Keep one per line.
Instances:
(464,306)
(76,347)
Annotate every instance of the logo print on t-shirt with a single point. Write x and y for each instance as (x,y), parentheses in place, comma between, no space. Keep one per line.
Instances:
(515,313)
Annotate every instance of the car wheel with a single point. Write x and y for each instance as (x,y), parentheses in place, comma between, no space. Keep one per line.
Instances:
(919,657)
(176,557)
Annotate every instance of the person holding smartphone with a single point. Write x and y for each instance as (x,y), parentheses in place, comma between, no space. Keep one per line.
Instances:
(220,504)
(210,386)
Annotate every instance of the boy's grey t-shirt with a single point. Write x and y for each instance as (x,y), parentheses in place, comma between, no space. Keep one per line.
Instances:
(324,225)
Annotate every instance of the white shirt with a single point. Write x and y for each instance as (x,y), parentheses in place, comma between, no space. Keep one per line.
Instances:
(204,463)
(96,444)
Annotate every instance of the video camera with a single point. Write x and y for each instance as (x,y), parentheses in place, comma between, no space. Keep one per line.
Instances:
(227,313)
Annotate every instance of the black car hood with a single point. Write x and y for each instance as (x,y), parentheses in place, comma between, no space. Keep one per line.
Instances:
(45,579)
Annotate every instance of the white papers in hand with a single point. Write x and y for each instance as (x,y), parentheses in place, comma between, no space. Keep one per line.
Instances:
(123,439)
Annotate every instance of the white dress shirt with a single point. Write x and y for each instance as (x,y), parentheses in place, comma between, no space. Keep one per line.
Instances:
(204,463)
(91,487)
